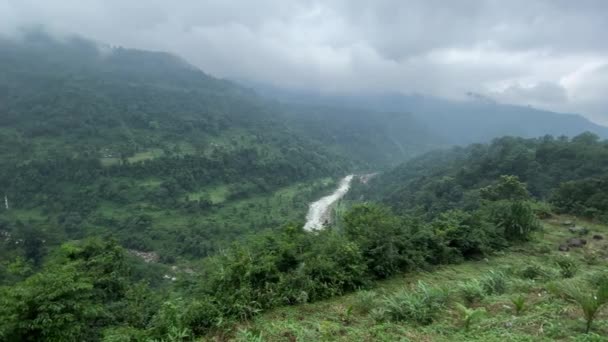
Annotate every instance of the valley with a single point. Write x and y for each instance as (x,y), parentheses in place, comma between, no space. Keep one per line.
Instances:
(319,212)
(151,201)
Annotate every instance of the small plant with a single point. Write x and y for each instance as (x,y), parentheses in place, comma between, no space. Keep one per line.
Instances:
(378,314)
(365,301)
(589,301)
(347,315)
(468,315)
(495,283)
(471,291)
(245,335)
(519,304)
(567,266)
(421,305)
(591,257)
(534,271)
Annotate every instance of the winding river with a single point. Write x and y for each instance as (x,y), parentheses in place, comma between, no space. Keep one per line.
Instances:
(319,212)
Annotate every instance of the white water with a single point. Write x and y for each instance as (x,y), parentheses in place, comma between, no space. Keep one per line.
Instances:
(319,211)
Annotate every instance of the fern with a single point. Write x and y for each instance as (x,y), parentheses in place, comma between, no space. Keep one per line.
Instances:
(468,315)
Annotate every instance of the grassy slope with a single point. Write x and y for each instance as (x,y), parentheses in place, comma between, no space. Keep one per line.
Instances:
(546,317)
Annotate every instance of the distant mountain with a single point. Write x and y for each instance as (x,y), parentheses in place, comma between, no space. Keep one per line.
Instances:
(80,98)
(452,122)
(374,140)
(76,98)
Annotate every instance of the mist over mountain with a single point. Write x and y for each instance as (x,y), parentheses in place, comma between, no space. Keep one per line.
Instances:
(142,198)
(478,119)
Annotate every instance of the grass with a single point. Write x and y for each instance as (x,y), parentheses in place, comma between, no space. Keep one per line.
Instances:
(542,315)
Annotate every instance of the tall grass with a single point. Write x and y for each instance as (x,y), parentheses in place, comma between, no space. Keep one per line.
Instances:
(421,305)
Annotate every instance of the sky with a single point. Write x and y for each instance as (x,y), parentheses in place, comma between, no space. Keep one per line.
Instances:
(551,54)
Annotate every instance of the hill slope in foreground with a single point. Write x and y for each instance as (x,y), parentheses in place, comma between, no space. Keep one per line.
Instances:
(525,274)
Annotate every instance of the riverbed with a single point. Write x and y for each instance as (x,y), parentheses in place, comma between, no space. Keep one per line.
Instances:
(319,212)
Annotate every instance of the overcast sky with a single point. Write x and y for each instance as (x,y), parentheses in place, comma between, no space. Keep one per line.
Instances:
(547,53)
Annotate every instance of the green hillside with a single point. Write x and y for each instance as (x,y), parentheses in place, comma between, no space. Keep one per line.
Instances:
(513,295)
(100,141)
(452,179)
(144,200)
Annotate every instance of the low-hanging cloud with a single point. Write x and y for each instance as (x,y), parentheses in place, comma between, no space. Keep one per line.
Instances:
(548,53)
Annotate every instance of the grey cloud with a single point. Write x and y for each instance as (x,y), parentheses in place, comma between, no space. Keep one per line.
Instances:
(541,93)
(443,48)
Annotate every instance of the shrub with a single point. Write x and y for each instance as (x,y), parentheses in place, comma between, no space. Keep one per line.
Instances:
(420,306)
(515,218)
(542,210)
(469,315)
(567,266)
(535,271)
(494,283)
(365,301)
(471,291)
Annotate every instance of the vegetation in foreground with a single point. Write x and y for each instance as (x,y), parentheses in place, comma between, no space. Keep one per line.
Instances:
(92,284)
(529,292)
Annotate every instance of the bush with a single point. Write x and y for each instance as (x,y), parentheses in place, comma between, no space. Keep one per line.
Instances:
(516,218)
(567,266)
(365,301)
(542,210)
(468,315)
(421,305)
(535,271)
(495,283)
(471,291)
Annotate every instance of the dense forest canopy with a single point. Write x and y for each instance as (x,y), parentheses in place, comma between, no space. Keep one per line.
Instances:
(450,179)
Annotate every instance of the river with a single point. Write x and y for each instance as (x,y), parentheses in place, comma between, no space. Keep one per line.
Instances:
(319,212)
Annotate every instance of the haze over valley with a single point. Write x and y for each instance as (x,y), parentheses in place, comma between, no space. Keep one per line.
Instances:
(303,171)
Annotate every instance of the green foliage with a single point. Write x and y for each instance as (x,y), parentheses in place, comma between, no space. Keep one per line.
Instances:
(384,238)
(567,266)
(585,197)
(590,300)
(420,305)
(535,271)
(471,291)
(57,304)
(515,218)
(464,235)
(366,301)
(519,304)
(468,315)
(494,283)
(507,188)
(244,335)
(454,179)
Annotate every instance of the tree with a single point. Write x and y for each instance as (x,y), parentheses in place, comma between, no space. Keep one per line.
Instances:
(54,305)
(507,188)
(385,241)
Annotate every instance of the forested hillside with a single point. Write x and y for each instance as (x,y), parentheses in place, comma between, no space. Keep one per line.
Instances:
(451,179)
(374,140)
(144,200)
